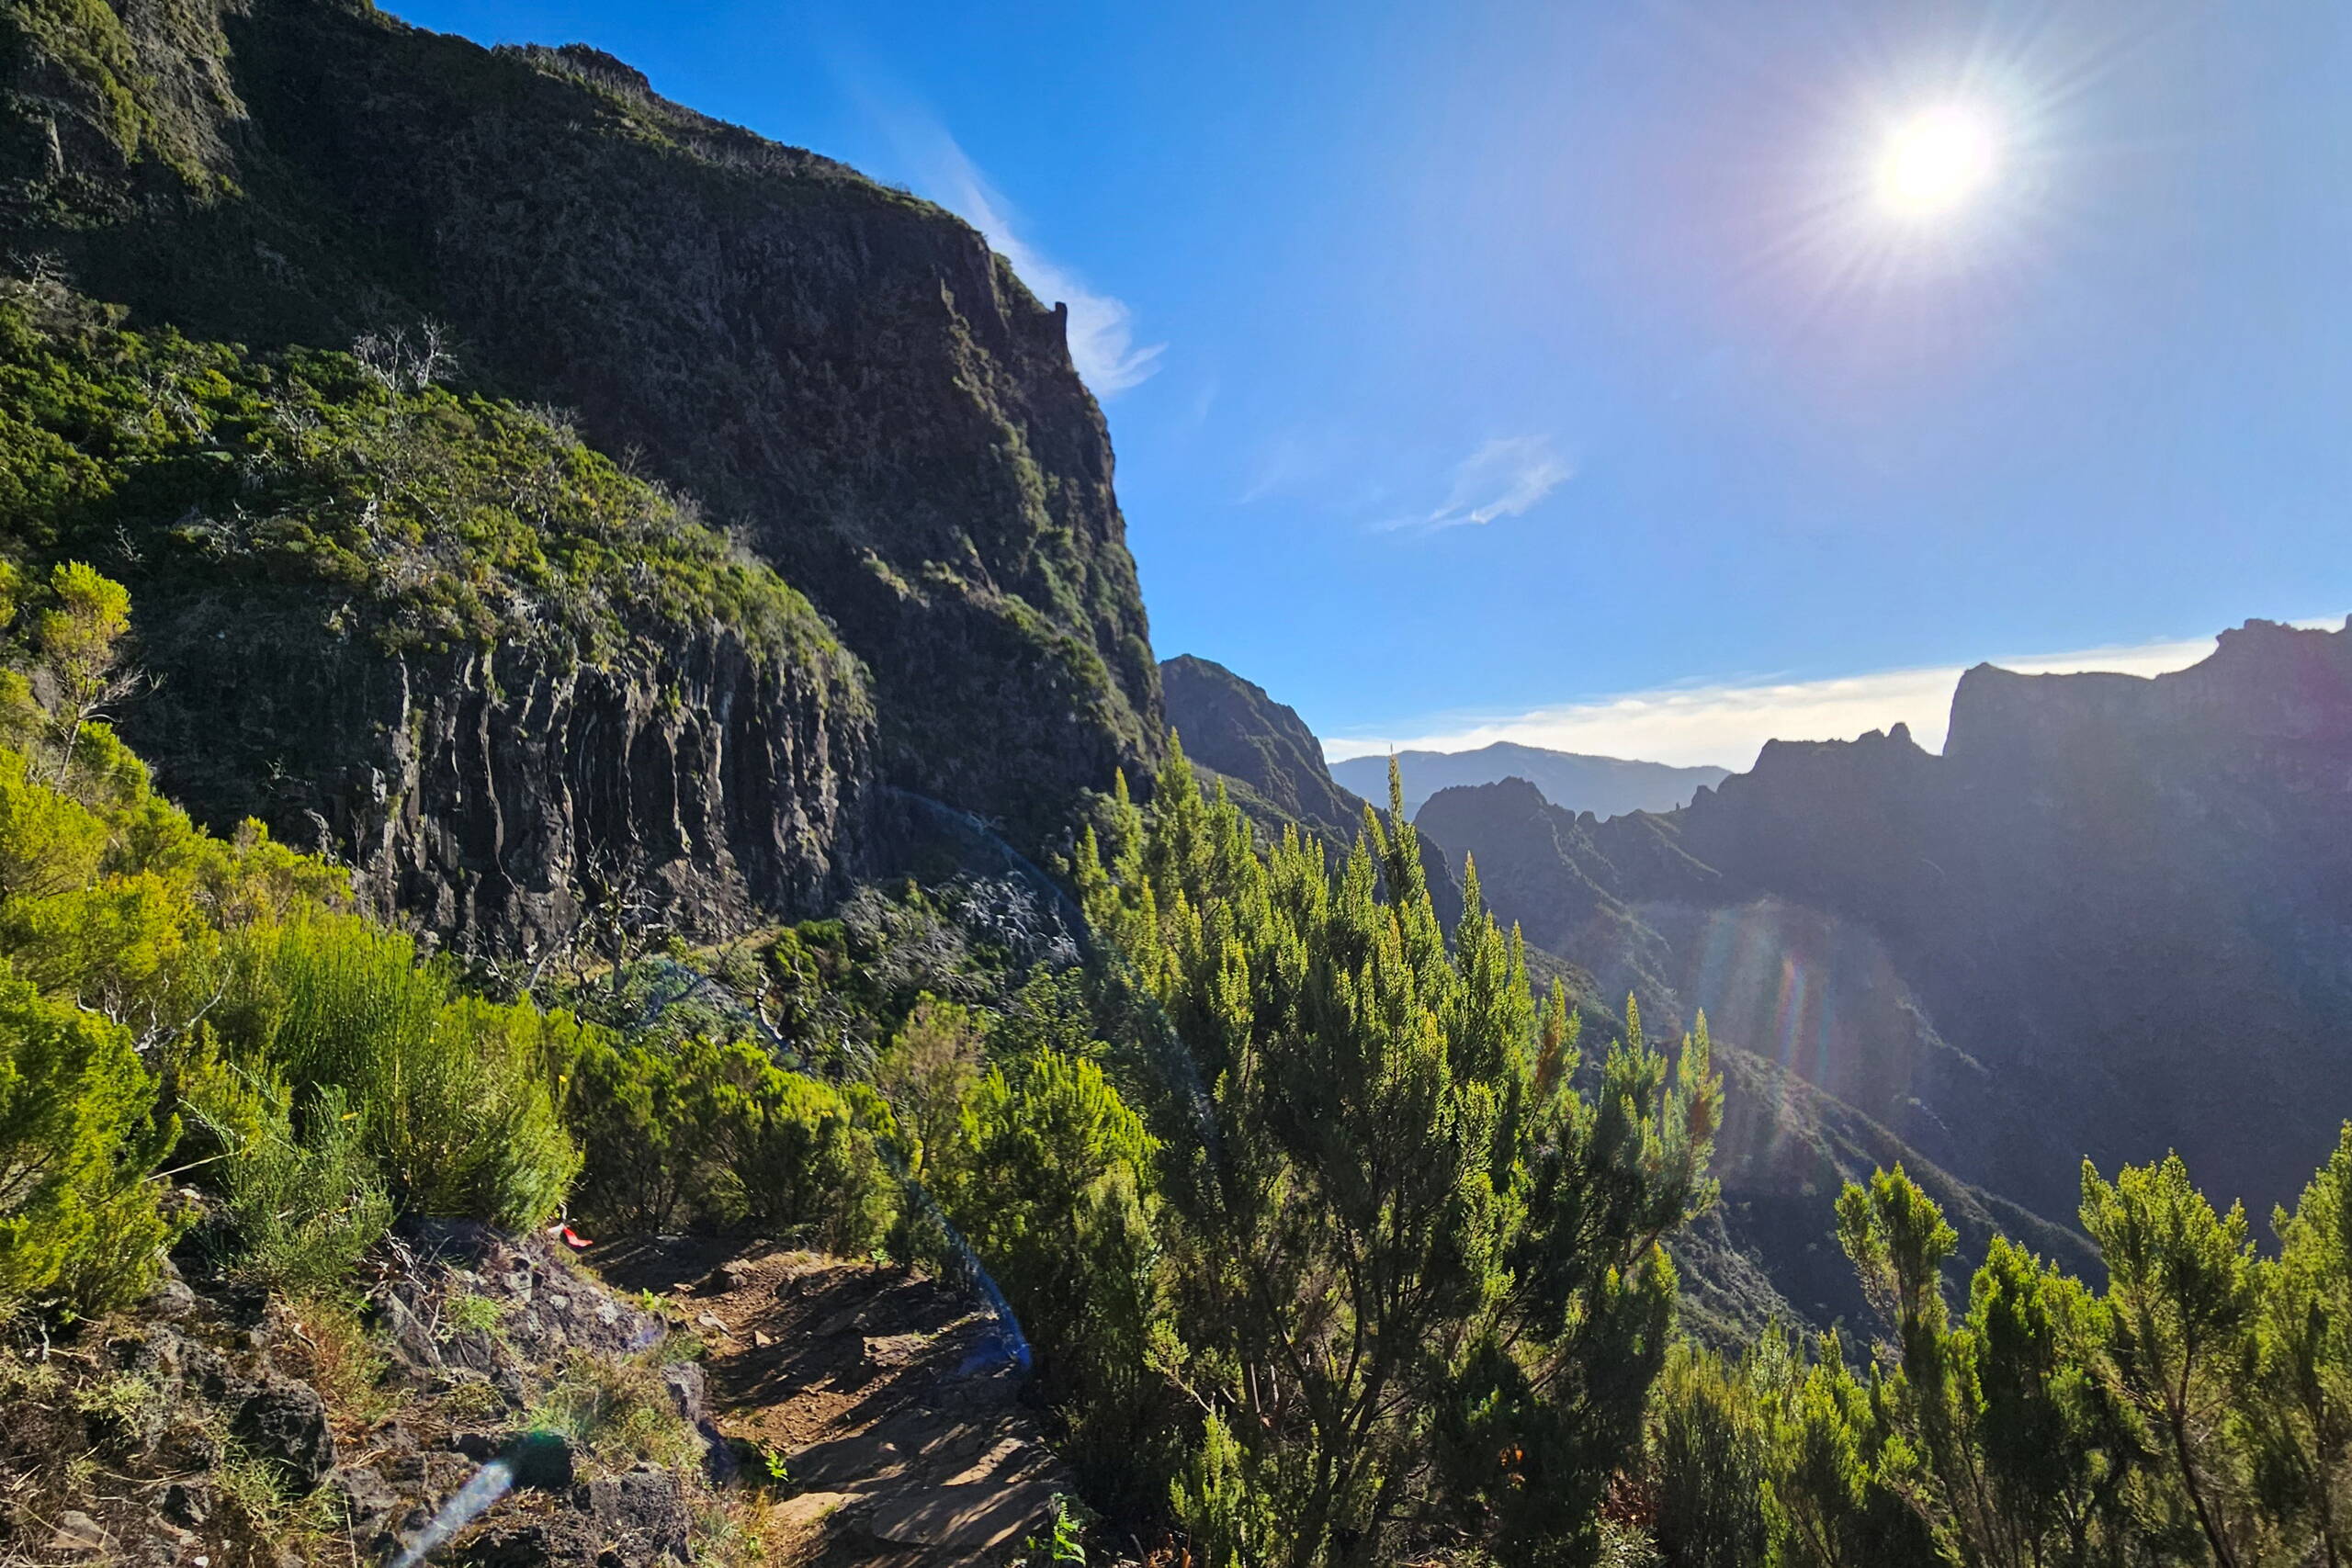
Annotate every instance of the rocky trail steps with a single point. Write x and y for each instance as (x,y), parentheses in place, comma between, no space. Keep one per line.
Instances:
(645,1400)
(892,1399)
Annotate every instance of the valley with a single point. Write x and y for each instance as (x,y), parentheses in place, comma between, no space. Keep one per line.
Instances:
(617,946)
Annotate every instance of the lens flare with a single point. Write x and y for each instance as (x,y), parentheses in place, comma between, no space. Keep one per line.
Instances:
(491,1483)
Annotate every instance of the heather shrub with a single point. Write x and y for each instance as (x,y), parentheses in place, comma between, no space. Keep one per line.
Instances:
(302,1206)
(690,1129)
(80,1220)
(452,1097)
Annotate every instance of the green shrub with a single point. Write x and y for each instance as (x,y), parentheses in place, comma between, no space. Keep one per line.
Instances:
(799,1156)
(49,844)
(642,1119)
(1049,1185)
(926,1072)
(80,1222)
(452,1096)
(1707,1448)
(303,1209)
(332,1076)
(1220,1504)
(718,1133)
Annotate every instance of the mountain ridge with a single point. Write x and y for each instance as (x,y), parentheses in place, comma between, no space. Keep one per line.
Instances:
(2056,924)
(1607,787)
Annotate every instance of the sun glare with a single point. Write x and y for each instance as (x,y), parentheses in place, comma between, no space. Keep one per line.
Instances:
(1935,161)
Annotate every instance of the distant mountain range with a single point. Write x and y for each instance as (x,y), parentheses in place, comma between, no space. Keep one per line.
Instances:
(2113,918)
(1787,1144)
(1606,787)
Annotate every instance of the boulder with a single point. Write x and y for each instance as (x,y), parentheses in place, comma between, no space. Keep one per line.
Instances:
(285,1422)
(642,1512)
(187,1503)
(682,1382)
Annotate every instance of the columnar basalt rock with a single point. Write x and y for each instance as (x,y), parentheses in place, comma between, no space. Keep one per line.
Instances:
(487,794)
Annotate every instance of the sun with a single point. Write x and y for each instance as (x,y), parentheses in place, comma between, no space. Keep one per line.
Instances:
(1935,161)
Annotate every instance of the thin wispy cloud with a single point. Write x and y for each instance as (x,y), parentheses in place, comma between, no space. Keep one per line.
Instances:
(1505,478)
(1291,461)
(1725,724)
(1101,326)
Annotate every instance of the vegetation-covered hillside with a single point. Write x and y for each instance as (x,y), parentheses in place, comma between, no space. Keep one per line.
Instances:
(434,635)
(846,373)
(556,549)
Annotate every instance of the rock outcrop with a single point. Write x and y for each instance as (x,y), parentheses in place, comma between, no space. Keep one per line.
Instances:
(234,1425)
(495,794)
(843,371)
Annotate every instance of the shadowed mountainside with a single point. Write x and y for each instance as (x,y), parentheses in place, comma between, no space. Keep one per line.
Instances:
(2114,918)
(1262,753)
(1232,728)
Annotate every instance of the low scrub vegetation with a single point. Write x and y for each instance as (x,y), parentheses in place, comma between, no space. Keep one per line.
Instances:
(443,520)
(170,996)
(1325,1240)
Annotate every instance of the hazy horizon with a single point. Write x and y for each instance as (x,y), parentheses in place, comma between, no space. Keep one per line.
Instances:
(1725,724)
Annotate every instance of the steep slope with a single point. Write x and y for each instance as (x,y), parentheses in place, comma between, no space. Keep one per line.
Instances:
(844,372)
(1606,787)
(1786,1151)
(1232,727)
(2130,898)
(1272,764)
(434,636)
(1815,1097)
(2114,918)
(1818,993)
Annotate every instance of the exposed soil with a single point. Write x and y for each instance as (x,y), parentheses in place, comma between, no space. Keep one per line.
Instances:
(894,1403)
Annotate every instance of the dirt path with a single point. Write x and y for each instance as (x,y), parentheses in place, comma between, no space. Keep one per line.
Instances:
(893,1401)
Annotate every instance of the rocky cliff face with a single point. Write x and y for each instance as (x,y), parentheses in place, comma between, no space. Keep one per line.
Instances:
(845,372)
(496,795)
(2115,918)
(435,635)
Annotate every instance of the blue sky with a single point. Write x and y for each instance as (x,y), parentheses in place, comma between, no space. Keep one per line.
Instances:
(1537,369)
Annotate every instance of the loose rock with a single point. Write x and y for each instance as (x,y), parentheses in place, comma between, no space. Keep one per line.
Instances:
(285,1422)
